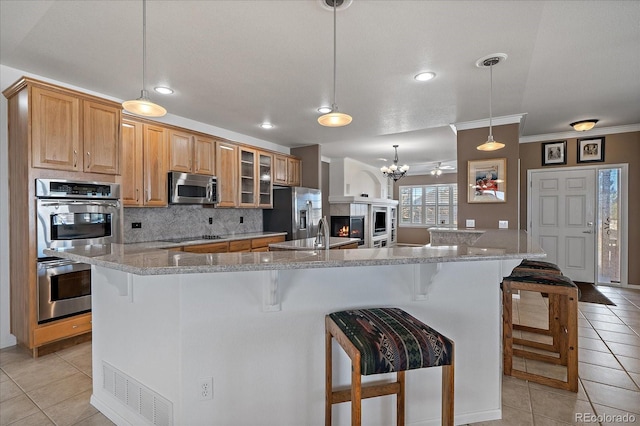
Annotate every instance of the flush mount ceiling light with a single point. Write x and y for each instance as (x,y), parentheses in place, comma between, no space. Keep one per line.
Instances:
(334,118)
(490,61)
(584,125)
(393,171)
(266,126)
(163,90)
(143,105)
(425,76)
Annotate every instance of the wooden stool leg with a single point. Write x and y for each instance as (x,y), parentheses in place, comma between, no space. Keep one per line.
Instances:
(572,341)
(328,371)
(356,391)
(447,394)
(556,303)
(400,399)
(507,328)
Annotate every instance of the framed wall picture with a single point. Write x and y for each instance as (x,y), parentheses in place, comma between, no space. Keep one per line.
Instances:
(487,181)
(590,150)
(554,153)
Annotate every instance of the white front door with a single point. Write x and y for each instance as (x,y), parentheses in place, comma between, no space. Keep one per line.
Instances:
(562,216)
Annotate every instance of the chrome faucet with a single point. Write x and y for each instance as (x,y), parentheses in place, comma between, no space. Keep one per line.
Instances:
(322,236)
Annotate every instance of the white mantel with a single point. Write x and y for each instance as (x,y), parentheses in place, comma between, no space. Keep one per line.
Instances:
(350,199)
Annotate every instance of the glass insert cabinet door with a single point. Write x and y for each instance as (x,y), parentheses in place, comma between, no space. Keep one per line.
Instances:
(265,173)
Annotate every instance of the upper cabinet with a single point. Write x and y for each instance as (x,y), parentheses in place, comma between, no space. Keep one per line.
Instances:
(227,173)
(256,175)
(191,153)
(73,133)
(144,159)
(288,170)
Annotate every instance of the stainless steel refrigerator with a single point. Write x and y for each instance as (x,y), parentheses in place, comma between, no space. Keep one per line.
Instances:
(296,210)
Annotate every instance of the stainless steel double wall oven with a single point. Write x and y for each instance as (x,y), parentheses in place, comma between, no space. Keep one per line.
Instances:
(70,214)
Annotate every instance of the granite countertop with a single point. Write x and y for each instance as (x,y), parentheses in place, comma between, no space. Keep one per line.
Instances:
(136,259)
(309,243)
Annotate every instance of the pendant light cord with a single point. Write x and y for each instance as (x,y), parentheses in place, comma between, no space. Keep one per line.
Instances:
(333,106)
(490,98)
(144,45)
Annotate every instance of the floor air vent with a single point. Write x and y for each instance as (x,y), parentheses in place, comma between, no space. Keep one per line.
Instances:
(142,400)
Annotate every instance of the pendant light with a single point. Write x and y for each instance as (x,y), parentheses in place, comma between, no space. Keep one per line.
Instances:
(143,105)
(490,144)
(334,118)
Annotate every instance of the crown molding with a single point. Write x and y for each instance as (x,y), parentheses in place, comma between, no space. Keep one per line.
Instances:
(495,121)
(600,131)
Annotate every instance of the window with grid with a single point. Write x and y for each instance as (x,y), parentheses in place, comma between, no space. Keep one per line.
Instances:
(429,205)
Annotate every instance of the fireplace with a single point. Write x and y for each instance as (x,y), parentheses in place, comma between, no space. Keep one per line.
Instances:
(348,227)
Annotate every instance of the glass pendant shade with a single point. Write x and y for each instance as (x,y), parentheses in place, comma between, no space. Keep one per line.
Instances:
(335,119)
(144,107)
(490,145)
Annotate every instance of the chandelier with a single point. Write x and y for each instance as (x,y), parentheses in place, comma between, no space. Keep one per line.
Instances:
(393,171)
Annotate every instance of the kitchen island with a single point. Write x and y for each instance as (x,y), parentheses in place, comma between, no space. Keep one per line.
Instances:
(250,327)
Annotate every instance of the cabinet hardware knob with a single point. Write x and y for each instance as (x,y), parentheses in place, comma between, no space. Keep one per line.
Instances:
(74,326)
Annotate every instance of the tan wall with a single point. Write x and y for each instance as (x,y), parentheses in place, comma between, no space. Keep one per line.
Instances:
(310,156)
(618,149)
(487,215)
(411,235)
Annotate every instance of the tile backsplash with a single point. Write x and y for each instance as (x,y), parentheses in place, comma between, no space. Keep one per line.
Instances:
(187,221)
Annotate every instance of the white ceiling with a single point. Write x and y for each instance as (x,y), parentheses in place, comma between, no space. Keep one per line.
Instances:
(234,64)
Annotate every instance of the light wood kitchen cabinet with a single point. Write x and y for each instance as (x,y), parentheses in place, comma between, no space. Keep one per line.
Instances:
(132,182)
(262,243)
(58,140)
(154,166)
(239,246)
(247,178)
(191,153)
(227,173)
(101,137)
(255,178)
(144,158)
(222,247)
(294,171)
(287,170)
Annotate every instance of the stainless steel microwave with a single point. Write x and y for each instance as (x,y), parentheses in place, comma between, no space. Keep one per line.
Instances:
(186,188)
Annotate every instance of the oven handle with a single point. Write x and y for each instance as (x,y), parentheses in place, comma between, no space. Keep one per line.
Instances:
(111,203)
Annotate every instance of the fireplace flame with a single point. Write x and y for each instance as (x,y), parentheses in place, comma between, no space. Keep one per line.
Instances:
(343,232)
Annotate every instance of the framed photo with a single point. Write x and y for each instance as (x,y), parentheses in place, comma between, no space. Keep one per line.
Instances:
(590,150)
(487,181)
(554,153)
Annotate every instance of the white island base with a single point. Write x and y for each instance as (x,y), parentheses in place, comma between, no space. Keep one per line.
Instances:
(167,334)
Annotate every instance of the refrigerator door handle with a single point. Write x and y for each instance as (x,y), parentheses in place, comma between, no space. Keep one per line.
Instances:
(309,220)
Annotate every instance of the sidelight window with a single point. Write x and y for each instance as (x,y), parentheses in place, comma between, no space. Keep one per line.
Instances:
(429,205)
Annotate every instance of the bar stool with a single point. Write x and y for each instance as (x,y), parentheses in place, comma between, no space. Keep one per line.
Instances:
(528,266)
(384,340)
(563,328)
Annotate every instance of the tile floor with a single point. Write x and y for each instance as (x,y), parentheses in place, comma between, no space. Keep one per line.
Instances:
(55,389)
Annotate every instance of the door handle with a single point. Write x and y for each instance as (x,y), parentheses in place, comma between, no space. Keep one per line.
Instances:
(587,232)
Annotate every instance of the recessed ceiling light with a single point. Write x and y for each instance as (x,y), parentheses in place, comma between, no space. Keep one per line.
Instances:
(163,90)
(266,126)
(425,76)
(324,110)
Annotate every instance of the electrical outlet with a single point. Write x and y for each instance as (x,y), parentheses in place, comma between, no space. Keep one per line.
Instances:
(241,219)
(136,225)
(205,388)
(503,224)
(471,223)
(210,221)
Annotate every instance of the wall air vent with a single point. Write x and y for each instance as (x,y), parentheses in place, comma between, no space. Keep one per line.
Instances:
(150,406)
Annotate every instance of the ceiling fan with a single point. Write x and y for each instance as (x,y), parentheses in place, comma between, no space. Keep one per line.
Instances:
(437,170)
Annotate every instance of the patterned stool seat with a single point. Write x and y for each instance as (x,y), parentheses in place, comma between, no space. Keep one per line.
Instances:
(390,339)
(385,340)
(538,264)
(543,279)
